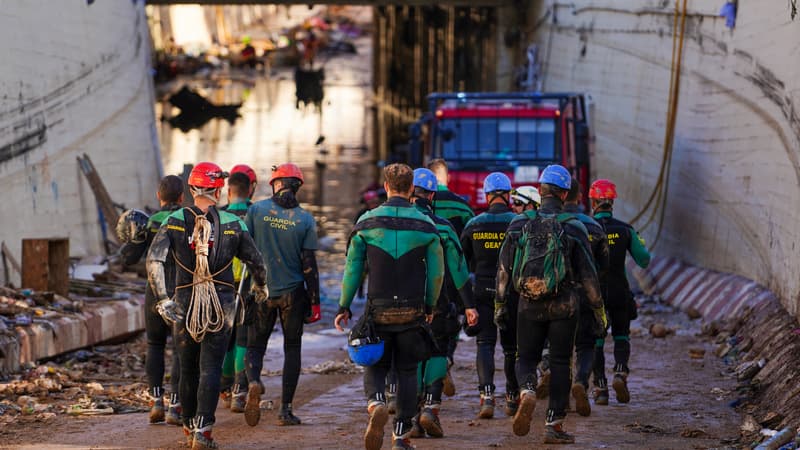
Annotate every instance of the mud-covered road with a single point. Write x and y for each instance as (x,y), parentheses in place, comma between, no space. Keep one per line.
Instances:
(672,401)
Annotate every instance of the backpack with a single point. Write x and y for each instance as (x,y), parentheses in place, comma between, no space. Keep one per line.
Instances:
(541,262)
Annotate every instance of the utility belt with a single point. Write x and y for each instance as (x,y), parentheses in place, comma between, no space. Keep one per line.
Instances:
(396,311)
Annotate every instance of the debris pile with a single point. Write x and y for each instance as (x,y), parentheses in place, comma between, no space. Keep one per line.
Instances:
(104,380)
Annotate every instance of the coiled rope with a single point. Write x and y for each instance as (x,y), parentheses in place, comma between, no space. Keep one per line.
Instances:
(205,314)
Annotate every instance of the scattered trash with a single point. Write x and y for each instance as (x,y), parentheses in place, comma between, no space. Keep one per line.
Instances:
(777,439)
(637,427)
(694,433)
(697,353)
(750,369)
(693,313)
(749,425)
(771,420)
(659,330)
(328,367)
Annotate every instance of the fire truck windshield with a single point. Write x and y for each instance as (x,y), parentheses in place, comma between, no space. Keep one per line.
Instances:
(499,140)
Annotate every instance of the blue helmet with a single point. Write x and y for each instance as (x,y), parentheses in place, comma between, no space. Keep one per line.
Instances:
(425,179)
(365,351)
(557,176)
(496,181)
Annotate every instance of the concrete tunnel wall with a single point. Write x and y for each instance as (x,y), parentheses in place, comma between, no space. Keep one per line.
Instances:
(75,80)
(735,179)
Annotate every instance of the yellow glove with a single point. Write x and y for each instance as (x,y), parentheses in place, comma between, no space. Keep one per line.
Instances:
(602,320)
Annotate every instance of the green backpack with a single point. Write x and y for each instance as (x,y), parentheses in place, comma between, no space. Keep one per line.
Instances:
(541,261)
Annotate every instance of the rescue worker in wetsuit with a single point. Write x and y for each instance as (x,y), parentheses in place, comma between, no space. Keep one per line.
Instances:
(621,306)
(546,314)
(234,379)
(448,205)
(203,242)
(525,198)
(403,250)
(170,198)
(586,336)
(288,233)
(445,317)
(481,242)
(251,175)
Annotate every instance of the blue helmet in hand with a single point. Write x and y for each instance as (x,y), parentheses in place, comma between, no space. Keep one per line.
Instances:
(496,181)
(557,176)
(365,351)
(425,179)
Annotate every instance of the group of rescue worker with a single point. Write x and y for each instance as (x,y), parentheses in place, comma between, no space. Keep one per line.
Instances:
(533,268)
(208,287)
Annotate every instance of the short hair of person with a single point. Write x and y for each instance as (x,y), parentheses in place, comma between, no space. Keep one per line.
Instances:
(437,165)
(239,184)
(574,190)
(399,177)
(170,189)
(421,192)
(550,190)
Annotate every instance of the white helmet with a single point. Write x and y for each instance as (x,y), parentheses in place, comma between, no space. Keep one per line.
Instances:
(526,194)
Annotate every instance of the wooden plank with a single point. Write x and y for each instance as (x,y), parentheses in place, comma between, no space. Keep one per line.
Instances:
(34,264)
(58,266)
(10,258)
(101,194)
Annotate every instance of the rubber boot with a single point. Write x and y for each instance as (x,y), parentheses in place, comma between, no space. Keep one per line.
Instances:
(252,408)
(620,385)
(600,393)
(225,399)
(582,406)
(286,418)
(188,435)
(487,403)
(401,439)
(416,428)
(202,436)
(429,420)
(391,398)
(239,399)
(174,412)
(512,404)
(156,405)
(524,415)
(378,416)
(554,433)
(448,386)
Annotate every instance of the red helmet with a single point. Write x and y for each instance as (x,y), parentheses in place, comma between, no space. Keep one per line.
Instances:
(207,175)
(245,169)
(287,170)
(603,189)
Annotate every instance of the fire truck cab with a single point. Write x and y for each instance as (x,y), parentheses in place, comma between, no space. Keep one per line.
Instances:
(515,133)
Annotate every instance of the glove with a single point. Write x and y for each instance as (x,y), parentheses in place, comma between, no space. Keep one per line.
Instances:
(601,322)
(314,315)
(501,316)
(170,311)
(260,293)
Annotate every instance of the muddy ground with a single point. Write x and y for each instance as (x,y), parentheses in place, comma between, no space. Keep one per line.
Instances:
(672,399)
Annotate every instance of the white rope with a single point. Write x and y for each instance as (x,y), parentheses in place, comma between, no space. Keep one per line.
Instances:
(205,313)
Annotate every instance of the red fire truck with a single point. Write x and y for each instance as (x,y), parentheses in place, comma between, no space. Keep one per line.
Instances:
(516,133)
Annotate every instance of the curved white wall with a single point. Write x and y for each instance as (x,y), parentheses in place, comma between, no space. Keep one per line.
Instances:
(75,79)
(734,188)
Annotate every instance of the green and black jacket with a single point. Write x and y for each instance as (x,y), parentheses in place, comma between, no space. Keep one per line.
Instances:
(597,239)
(230,239)
(581,273)
(481,241)
(457,275)
(452,207)
(403,250)
(622,239)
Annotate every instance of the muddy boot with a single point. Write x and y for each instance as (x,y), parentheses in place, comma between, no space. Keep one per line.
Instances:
(239,399)
(401,439)
(174,412)
(286,418)
(448,387)
(524,415)
(429,419)
(252,408)
(512,404)
(581,400)
(600,393)
(554,433)
(391,398)
(188,434)
(416,428)
(156,405)
(225,399)
(378,416)
(543,388)
(487,403)
(620,385)
(202,437)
